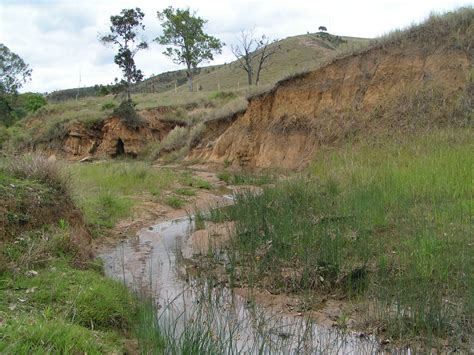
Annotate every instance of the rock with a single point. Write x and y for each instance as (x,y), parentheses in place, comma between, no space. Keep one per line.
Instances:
(88,159)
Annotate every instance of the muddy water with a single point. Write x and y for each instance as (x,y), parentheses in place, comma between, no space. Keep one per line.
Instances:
(151,263)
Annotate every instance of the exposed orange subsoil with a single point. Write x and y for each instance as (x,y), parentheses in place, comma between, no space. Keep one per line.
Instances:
(397,88)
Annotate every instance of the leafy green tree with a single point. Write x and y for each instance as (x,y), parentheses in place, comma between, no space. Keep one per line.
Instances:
(6,110)
(14,72)
(124,33)
(188,44)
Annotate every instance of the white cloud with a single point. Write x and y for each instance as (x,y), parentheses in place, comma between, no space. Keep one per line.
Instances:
(58,39)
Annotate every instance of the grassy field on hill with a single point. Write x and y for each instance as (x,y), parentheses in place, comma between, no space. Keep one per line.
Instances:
(296,54)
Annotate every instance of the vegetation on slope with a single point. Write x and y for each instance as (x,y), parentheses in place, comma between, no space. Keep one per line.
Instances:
(389,224)
(47,303)
(49,126)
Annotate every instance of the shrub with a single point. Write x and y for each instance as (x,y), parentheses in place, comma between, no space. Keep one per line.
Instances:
(103,90)
(108,106)
(4,135)
(33,102)
(128,115)
(224,176)
(37,167)
(152,150)
(178,115)
(231,108)
(176,139)
(222,95)
(195,134)
(174,201)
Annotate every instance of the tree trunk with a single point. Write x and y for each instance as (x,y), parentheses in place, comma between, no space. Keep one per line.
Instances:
(129,95)
(249,75)
(190,79)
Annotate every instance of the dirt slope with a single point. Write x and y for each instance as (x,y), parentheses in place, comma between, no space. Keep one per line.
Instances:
(113,137)
(419,80)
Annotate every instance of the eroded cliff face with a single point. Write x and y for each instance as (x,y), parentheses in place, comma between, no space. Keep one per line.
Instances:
(112,137)
(383,89)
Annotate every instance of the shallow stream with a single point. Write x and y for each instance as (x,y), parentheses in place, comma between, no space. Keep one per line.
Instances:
(150,263)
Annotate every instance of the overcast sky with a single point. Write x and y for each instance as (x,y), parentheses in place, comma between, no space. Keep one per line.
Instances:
(58,38)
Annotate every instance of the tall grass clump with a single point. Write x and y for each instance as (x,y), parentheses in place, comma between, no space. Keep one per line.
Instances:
(171,332)
(175,140)
(37,168)
(454,28)
(106,191)
(391,222)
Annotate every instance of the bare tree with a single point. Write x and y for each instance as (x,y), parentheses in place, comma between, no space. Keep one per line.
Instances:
(265,51)
(243,52)
(252,54)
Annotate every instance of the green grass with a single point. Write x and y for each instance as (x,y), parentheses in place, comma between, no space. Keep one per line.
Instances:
(30,335)
(61,309)
(185,191)
(198,183)
(83,297)
(245,179)
(107,191)
(390,223)
(47,305)
(174,201)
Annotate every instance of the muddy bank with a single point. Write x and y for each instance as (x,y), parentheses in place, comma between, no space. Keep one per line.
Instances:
(111,137)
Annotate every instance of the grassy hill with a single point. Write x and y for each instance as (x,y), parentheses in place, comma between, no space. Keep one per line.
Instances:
(298,53)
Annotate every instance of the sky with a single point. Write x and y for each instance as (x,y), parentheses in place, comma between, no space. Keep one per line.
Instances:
(58,39)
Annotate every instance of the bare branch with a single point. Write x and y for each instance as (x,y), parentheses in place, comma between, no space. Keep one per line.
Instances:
(253,53)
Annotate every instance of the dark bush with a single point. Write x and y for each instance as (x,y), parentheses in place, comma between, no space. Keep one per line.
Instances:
(128,115)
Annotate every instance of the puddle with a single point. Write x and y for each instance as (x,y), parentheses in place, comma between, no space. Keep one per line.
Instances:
(150,263)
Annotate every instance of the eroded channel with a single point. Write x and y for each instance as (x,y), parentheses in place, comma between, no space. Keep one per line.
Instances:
(150,263)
